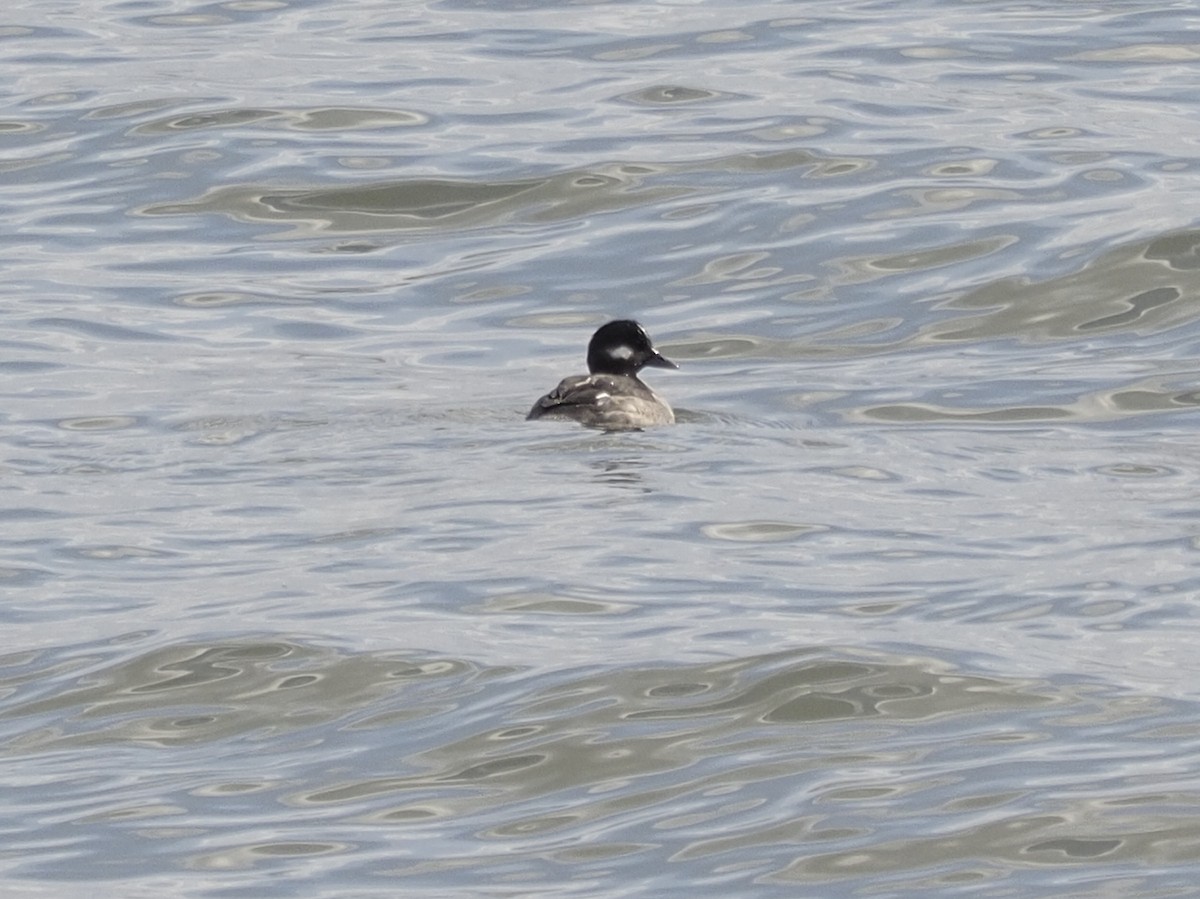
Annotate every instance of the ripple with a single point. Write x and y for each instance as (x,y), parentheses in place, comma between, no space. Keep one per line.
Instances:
(100,330)
(923,412)
(316,119)
(450,205)
(99,423)
(1142,53)
(760,531)
(241,858)
(548,604)
(1133,470)
(115,552)
(244,686)
(671,95)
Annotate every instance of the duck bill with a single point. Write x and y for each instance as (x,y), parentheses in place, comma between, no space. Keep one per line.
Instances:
(658,360)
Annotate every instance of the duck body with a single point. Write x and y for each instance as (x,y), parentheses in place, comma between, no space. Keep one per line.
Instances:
(611,396)
(611,402)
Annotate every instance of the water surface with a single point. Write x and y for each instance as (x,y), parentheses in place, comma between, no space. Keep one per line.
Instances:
(295,602)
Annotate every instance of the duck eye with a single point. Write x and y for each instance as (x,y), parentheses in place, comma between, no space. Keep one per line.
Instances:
(623,351)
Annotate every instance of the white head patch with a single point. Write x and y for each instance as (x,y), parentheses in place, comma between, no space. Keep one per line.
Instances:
(624,351)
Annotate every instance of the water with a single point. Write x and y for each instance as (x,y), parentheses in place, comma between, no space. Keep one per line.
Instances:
(295,603)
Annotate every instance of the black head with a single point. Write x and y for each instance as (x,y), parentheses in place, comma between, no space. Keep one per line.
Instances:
(622,348)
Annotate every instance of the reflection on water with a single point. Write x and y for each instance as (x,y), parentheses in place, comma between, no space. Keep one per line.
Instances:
(329,119)
(808,765)
(442,204)
(195,694)
(1137,289)
(1131,293)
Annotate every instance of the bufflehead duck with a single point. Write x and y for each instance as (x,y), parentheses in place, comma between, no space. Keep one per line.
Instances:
(612,396)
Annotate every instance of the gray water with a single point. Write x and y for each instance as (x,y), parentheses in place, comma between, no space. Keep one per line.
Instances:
(294,602)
